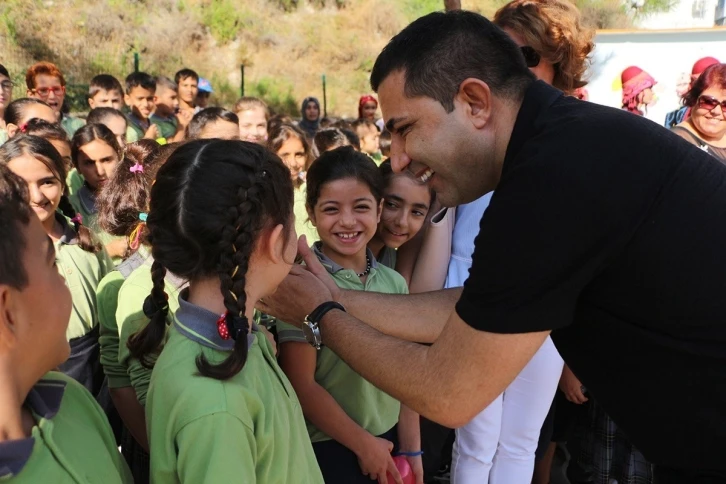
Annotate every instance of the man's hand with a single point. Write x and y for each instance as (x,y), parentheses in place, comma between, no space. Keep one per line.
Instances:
(303,290)
(572,387)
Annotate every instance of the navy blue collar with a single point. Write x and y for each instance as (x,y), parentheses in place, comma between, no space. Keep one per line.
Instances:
(200,325)
(69,237)
(87,199)
(44,400)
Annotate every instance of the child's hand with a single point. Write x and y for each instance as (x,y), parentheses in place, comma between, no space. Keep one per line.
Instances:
(416,464)
(375,461)
(184,117)
(152,132)
(572,387)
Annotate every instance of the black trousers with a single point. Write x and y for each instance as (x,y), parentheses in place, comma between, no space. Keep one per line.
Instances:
(666,475)
(339,464)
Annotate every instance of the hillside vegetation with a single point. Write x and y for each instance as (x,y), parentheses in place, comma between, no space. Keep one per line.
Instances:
(285,45)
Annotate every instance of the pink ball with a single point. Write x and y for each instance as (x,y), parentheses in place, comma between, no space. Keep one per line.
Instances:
(404,468)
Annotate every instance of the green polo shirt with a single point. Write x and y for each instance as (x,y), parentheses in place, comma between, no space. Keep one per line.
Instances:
(74,181)
(371,408)
(71,442)
(70,124)
(130,318)
(302,224)
(108,339)
(248,428)
(83,272)
(167,126)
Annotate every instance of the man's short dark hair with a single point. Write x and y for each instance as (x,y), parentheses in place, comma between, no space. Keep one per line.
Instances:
(104,82)
(184,74)
(103,114)
(140,79)
(439,51)
(15,213)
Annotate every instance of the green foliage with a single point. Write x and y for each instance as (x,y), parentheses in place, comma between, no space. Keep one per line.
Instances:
(418,8)
(277,94)
(224,18)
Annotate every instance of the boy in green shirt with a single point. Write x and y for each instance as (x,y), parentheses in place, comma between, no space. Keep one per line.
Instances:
(51,428)
(171,121)
(140,91)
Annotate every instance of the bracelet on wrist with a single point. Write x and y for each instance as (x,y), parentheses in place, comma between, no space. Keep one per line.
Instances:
(417,453)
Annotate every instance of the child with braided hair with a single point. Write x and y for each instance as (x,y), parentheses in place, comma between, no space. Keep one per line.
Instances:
(219,408)
(80,259)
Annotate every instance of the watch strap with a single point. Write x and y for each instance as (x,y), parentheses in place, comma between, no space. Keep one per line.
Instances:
(321,310)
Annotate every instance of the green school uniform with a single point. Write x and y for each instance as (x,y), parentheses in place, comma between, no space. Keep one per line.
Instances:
(83,272)
(84,202)
(135,124)
(131,319)
(371,408)
(167,126)
(108,339)
(74,181)
(302,224)
(70,124)
(132,136)
(388,257)
(248,428)
(71,443)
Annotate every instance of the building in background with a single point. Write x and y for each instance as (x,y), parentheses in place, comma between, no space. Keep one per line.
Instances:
(685,14)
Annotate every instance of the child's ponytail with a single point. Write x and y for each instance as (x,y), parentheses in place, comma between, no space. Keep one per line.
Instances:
(85,237)
(156,307)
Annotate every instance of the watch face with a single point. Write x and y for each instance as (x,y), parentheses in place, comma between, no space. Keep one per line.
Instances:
(308,332)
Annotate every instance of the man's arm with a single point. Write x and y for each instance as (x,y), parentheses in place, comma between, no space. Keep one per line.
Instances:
(415,317)
(449,382)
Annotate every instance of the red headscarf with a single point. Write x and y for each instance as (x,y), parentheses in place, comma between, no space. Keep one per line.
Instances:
(363,100)
(635,80)
(701,65)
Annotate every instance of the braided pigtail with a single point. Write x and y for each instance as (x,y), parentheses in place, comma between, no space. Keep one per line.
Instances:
(156,308)
(86,240)
(238,241)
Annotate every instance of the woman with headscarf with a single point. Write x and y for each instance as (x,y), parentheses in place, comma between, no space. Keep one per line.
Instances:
(637,90)
(310,117)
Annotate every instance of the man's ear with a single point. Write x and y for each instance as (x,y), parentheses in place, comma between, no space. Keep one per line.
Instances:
(8,328)
(476,96)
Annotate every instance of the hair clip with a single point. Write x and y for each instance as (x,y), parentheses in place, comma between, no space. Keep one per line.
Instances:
(143,216)
(137,168)
(23,127)
(231,326)
(150,307)
(78,219)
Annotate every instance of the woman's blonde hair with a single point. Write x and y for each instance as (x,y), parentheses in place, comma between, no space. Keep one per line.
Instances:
(553,28)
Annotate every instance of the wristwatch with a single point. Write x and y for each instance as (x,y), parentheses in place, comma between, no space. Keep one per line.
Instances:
(311,324)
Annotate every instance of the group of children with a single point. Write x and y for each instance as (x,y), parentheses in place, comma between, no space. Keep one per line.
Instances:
(155,233)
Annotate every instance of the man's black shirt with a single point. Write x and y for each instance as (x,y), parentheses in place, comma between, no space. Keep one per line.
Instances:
(611,231)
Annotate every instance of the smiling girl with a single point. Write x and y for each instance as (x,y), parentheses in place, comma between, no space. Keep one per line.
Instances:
(96,154)
(353,425)
(80,261)
(406,204)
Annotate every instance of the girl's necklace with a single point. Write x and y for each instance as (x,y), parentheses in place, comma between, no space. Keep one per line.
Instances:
(368,268)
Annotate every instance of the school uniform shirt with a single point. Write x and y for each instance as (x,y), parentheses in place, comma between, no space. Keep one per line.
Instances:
(70,124)
(248,428)
(371,408)
(108,339)
(609,230)
(302,224)
(74,182)
(388,257)
(131,319)
(82,272)
(71,443)
(84,202)
(167,126)
(135,124)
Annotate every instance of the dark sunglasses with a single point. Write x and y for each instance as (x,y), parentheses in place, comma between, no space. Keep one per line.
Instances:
(531,56)
(710,103)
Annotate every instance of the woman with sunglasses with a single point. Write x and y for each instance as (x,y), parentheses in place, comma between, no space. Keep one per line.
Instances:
(706,127)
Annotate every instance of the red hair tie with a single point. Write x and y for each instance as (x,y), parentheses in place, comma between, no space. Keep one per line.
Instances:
(23,127)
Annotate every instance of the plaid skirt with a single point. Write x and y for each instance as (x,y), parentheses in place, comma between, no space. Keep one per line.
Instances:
(136,457)
(605,449)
